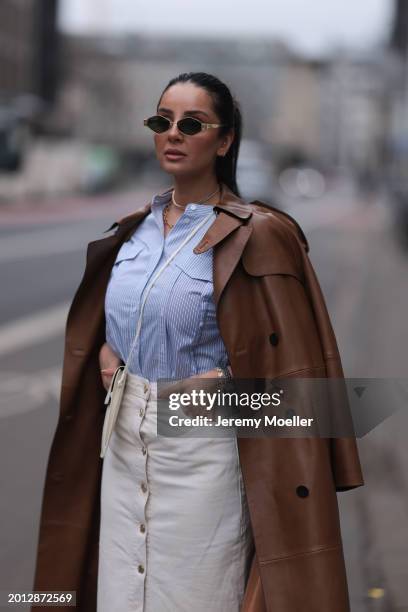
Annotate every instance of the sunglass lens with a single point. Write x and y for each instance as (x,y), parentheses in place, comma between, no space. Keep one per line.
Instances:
(189,126)
(158,124)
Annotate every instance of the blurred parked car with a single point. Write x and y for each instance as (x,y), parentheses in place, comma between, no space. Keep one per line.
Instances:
(15,117)
(12,134)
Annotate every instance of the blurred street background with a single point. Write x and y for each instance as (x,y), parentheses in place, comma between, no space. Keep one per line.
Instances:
(324,96)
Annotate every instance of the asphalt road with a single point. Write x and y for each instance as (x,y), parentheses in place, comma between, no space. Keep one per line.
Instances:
(363,274)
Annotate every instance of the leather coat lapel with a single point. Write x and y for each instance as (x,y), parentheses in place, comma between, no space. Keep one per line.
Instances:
(232,212)
(227,253)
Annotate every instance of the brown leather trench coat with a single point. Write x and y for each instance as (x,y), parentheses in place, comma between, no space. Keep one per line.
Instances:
(274,323)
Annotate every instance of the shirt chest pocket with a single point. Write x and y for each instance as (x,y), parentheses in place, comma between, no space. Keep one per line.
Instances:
(126,274)
(129,251)
(191,295)
(197,267)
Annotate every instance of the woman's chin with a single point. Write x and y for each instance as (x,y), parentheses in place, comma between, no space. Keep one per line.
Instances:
(174,170)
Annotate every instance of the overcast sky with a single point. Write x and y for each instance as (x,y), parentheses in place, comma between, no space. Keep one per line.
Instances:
(312,26)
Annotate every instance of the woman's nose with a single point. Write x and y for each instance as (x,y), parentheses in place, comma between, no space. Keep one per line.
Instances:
(174,131)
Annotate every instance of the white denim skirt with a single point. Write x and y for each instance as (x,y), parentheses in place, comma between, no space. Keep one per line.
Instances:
(175,533)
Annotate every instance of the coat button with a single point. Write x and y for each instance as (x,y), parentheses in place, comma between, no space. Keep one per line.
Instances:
(274,339)
(140,569)
(302,491)
(142,528)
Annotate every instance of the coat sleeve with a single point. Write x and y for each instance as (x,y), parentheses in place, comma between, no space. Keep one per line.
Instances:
(344,452)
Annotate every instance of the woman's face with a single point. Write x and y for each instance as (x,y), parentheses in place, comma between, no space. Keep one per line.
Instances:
(200,149)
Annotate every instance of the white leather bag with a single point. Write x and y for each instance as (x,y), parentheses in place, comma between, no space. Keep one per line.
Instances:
(115,392)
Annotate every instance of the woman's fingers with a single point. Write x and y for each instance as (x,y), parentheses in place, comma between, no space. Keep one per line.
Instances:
(107,374)
(108,358)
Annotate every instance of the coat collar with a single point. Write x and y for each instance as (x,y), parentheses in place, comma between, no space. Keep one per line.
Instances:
(232,212)
(231,222)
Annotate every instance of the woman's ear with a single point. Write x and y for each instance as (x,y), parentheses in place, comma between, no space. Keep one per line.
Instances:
(226,142)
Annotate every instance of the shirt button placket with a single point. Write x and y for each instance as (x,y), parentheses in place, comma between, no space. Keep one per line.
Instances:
(144,490)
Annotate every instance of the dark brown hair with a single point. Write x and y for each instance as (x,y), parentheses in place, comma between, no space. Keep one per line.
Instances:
(228,111)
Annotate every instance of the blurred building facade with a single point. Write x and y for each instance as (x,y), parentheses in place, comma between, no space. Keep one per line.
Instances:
(399,39)
(397,145)
(331,111)
(28,73)
(339,111)
(17,46)
(28,49)
(111,84)
(398,140)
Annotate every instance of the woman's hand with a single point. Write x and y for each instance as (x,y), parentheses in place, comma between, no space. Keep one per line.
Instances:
(108,362)
(186,385)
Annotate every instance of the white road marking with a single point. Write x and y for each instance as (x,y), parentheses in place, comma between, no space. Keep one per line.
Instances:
(22,392)
(46,242)
(33,329)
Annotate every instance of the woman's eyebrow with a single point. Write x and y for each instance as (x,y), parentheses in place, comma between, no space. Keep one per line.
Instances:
(188,112)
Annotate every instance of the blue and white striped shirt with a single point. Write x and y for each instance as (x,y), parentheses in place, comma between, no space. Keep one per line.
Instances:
(179,336)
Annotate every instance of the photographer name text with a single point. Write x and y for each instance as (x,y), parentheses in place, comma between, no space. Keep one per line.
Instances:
(256,422)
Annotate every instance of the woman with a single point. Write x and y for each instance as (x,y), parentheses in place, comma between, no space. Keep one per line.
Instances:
(195,542)
(162,523)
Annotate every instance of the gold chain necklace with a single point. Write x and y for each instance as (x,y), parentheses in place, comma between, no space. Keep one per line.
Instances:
(165,212)
(173,199)
(167,207)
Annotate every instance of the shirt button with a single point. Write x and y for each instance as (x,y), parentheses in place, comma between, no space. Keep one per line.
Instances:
(140,569)
(193,207)
(143,487)
(141,412)
(142,527)
(144,451)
